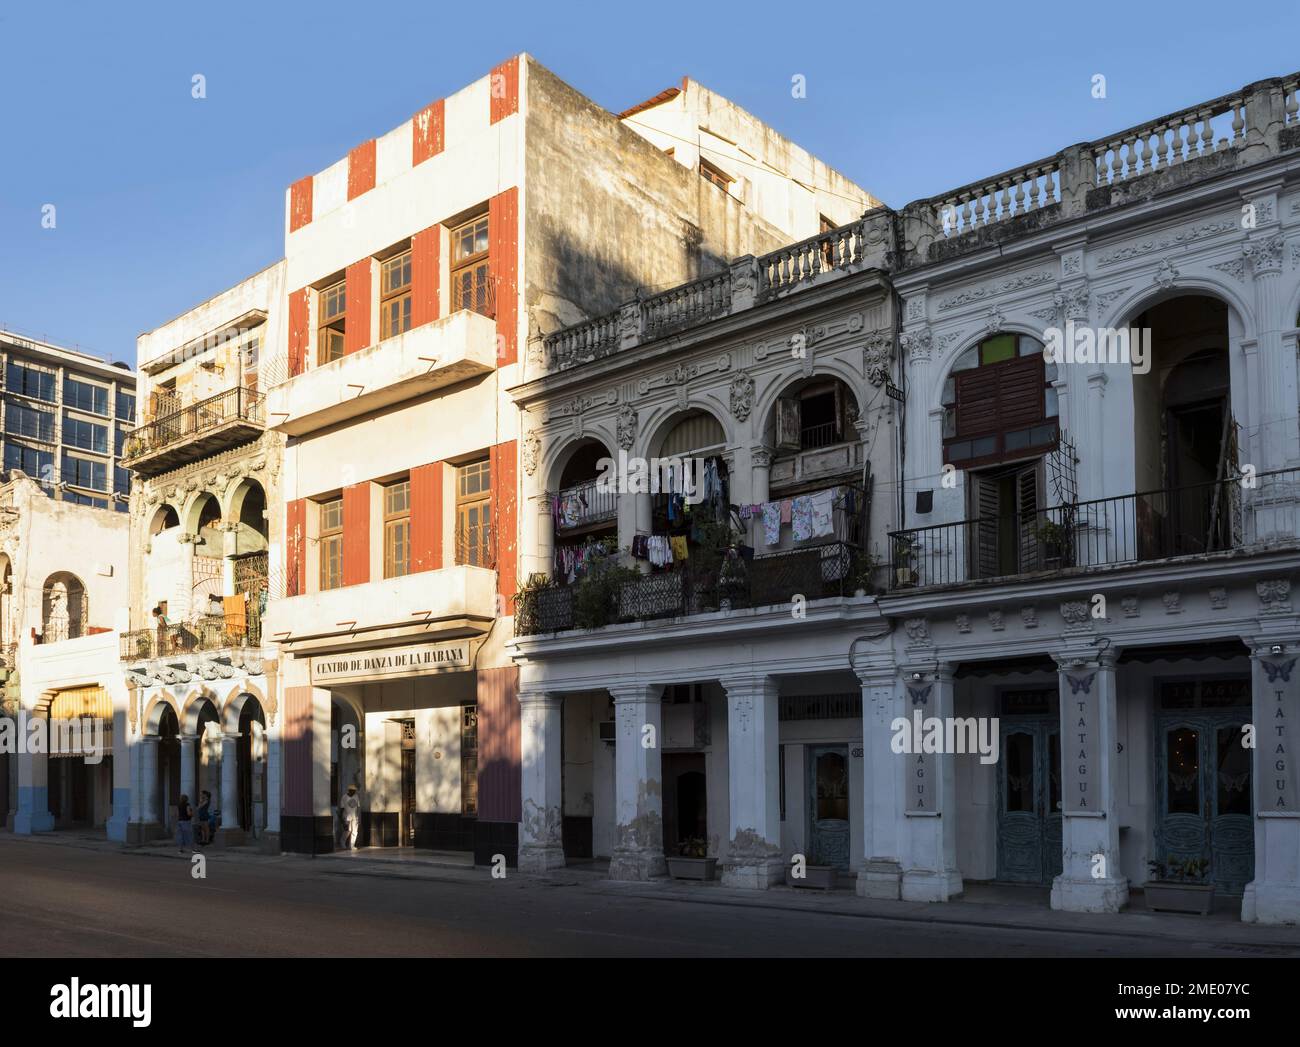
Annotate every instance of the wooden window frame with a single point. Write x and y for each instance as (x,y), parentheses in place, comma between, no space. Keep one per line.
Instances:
(330,536)
(398,295)
(329,326)
(481,499)
(715,175)
(396,520)
(1000,453)
(471,263)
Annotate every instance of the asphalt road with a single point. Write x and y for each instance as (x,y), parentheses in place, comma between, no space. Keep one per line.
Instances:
(58,900)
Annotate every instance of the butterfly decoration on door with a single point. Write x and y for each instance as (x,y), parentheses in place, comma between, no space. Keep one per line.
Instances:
(1276,669)
(921,695)
(1081,683)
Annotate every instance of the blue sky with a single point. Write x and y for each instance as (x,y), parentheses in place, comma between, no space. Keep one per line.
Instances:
(163,200)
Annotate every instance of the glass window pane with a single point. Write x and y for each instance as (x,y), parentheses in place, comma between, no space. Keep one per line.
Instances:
(1029,346)
(995,350)
(968,360)
(1019,755)
(1233,779)
(1183,772)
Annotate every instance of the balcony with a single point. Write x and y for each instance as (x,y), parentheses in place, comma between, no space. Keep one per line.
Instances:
(228,419)
(205,634)
(819,572)
(585,504)
(1199,520)
(456,600)
(420,361)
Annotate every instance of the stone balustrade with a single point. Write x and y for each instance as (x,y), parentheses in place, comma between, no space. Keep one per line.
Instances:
(1260,121)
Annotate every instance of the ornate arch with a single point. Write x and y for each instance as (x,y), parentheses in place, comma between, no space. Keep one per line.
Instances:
(237,699)
(840,369)
(558,455)
(658,420)
(153,714)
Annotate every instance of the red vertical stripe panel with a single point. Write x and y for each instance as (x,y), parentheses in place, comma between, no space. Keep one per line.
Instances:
(356,334)
(361,169)
(426,246)
(299,332)
(503,254)
(295,547)
(505,89)
(426,517)
(297,752)
(499,780)
(300,203)
(502,462)
(356,534)
(427,132)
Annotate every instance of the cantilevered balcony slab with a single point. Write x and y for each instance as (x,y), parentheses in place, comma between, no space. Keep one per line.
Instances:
(197,431)
(426,358)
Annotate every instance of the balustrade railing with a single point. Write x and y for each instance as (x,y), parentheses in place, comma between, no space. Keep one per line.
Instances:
(816,572)
(237,404)
(1195,520)
(585,503)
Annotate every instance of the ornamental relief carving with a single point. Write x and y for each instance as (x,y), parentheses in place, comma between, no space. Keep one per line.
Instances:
(742,396)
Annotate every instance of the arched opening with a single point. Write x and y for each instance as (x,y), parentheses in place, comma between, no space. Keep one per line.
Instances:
(1185,437)
(816,484)
(243,608)
(251,765)
(584,511)
(689,469)
(207,584)
(1000,425)
(169,768)
(63,608)
(9,624)
(164,518)
(204,732)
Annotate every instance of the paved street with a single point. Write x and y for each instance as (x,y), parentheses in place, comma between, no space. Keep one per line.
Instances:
(63,900)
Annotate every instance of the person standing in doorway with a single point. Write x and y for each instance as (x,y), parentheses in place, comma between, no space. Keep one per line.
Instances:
(184,824)
(350,806)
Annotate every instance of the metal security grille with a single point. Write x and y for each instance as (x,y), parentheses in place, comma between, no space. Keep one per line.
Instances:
(469,760)
(847,706)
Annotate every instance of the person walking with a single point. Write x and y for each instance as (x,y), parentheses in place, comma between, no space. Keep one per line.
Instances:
(205,818)
(184,824)
(350,805)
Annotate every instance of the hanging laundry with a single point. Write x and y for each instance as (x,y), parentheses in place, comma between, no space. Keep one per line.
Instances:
(822,509)
(679,547)
(801,518)
(786,510)
(771,523)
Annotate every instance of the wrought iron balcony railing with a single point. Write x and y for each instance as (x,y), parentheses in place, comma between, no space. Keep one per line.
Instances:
(814,573)
(213,632)
(1200,519)
(584,504)
(206,420)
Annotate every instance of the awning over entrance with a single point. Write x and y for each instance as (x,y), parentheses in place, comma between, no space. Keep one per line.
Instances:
(79,704)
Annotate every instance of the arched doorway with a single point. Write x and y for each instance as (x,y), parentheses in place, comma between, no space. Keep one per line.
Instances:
(250,757)
(169,768)
(1185,437)
(63,608)
(347,760)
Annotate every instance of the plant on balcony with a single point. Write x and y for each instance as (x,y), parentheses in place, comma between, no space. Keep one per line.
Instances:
(1054,538)
(904,558)
(864,575)
(1180,885)
(595,598)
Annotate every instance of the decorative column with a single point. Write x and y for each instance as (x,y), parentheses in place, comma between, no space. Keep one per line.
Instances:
(1091,878)
(929,859)
(229,830)
(1274,894)
(1277,372)
(760,459)
(33,813)
(880,874)
(754,858)
(183,594)
(541,840)
(545,537)
(644,516)
(638,783)
(149,779)
(274,754)
(187,767)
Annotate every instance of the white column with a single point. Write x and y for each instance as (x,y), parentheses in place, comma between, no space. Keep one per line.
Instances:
(930,872)
(33,813)
(149,776)
(881,873)
(644,520)
(229,783)
(541,843)
(627,510)
(545,538)
(754,858)
(1277,370)
(187,768)
(761,469)
(1091,879)
(638,784)
(1273,896)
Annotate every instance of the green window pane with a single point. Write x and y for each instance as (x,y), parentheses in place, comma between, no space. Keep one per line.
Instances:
(1000,347)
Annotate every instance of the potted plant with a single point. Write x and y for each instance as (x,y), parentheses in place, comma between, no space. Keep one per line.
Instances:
(1054,538)
(692,861)
(864,578)
(731,580)
(905,560)
(1180,886)
(817,877)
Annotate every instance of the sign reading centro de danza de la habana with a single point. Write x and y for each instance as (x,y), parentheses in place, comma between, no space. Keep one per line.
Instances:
(390,661)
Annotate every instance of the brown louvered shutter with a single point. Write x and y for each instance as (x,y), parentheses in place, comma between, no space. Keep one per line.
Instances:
(1020,392)
(1027,505)
(977,402)
(986,505)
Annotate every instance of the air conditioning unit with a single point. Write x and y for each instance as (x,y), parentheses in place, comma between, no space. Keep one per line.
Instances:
(607,732)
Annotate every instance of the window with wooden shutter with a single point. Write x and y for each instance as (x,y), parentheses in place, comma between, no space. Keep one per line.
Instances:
(1005,508)
(999,403)
(788,424)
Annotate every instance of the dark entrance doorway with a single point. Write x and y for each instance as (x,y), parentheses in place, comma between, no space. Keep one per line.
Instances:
(406,815)
(1029,787)
(828,816)
(1203,779)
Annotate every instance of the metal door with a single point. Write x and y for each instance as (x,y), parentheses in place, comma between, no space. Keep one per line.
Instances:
(1029,801)
(828,816)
